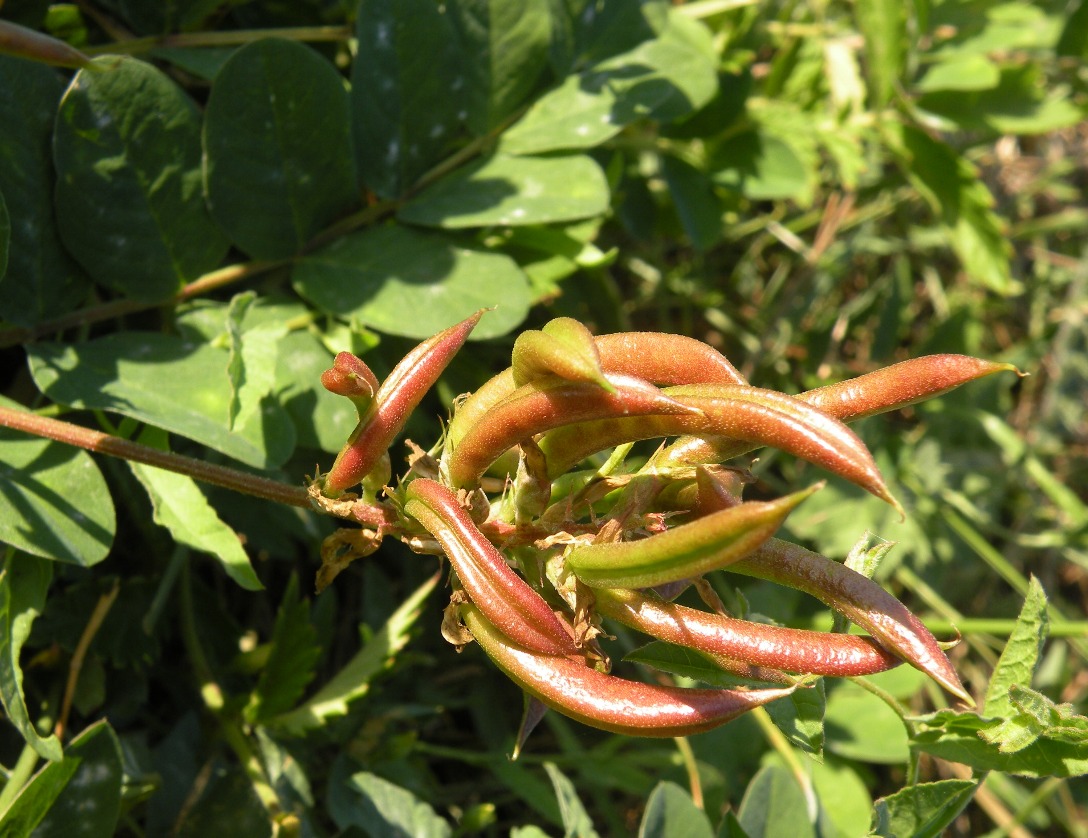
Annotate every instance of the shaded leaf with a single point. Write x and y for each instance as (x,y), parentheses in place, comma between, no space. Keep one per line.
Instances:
(860,726)
(696,204)
(42,281)
(576,820)
(54,501)
(922,811)
(385,810)
(179,385)
(671,813)
(274,104)
(129,195)
(800,716)
(23,586)
(180,506)
(376,277)
(760,166)
(407,91)
(774,805)
(503,189)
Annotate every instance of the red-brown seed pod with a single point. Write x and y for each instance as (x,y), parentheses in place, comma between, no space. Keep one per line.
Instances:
(859,599)
(505,598)
(787,649)
(608,702)
(397,397)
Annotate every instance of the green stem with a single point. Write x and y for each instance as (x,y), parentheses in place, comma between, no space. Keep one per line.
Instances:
(19,776)
(692,769)
(902,713)
(125,449)
(781,744)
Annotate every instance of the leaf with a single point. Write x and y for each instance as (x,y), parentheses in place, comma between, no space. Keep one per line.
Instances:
(129,195)
(503,189)
(374,278)
(407,91)
(588,31)
(952,187)
(5,236)
(23,586)
(576,820)
(663,79)
(680,660)
(1021,654)
(77,797)
(274,105)
(671,813)
(290,667)
(178,504)
(960,72)
(800,716)
(251,369)
(922,811)
(883,23)
(698,207)
(845,802)
(774,805)
(322,419)
(860,726)
(54,501)
(179,385)
(385,810)
(41,281)
(353,681)
(504,52)
(760,166)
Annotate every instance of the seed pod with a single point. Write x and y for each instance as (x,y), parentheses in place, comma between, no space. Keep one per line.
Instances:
(787,649)
(858,598)
(876,392)
(712,542)
(505,598)
(26,43)
(607,702)
(398,396)
(563,348)
(543,405)
(349,376)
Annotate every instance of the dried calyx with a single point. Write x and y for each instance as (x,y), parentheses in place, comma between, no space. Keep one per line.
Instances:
(538,568)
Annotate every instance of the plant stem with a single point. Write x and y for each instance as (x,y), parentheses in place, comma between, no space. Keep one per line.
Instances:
(692,768)
(98,615)
(125,449)
(20,774)
(782,745)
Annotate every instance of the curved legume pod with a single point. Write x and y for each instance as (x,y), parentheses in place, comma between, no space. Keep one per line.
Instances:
(563,348)
(751,414)
(788,649)
(859,599)
(543,405)
(657,357)
(398,396)
(505,598)
(608,702)
(690,550)
(880,391)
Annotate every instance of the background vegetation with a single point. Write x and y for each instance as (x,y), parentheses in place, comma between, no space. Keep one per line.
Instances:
(193,223)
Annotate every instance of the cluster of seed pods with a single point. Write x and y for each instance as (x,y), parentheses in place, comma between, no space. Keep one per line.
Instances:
(537,565)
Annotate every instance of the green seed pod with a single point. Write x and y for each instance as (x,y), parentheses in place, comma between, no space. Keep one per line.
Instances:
(563,348)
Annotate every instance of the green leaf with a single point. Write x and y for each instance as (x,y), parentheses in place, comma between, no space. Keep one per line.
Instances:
(576,820)
(1018,660)
(5,236)
(671,813)
(960,72)
(77,797)
(845,801)
(353,681)
(800,716)
(54,502)
(663,79)
(774,805)
(760,166)
(504,52)
(375,277)
(23,586)
(883,23)
(922,811)
(860,726)
(278,159)
(964,204)
(407,91)
(290,666)
(512,190)
(322,420)
(179,505)
(698,207)
(179,385)
(385,810)
(42,281)
(129,195)
(588,31)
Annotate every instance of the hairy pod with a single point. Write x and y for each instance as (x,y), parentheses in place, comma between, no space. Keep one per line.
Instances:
(608,702)
(540,406)
(505,598)
(563,348)
(350,377)
(395,400)
(690,550)
(787,649)
(859,599)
